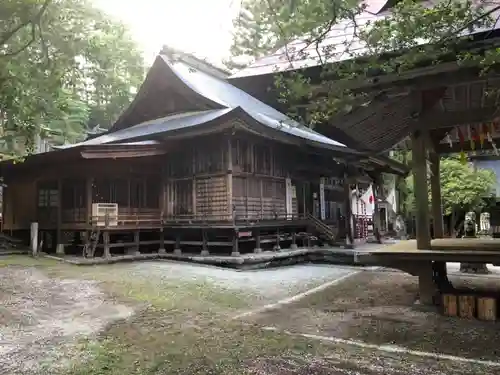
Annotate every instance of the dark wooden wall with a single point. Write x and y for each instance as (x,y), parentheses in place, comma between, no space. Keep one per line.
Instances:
(222,177)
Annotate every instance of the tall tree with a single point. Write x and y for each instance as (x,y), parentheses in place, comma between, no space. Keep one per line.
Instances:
(464,188)
(64,67)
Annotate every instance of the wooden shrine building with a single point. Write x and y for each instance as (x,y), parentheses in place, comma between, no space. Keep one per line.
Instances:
(193,163)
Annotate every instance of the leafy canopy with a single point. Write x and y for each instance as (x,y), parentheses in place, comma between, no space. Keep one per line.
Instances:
(418,33)
(463,187)
(65,67)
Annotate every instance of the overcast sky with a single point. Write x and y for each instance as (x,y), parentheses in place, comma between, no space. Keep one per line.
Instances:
(202,27)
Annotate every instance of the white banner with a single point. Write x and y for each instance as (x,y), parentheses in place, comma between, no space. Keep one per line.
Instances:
(322,200)
(289,196)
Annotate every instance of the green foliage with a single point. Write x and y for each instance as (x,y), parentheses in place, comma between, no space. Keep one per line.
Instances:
(413,35)
(463,187)
(64,67)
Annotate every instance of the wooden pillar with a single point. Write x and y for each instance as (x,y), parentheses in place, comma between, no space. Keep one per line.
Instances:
(230,179)
(177,248)
(204,248)
(294,241)
(349,237)
(59,239)
(88,191)
(236,251)
(277,247)
(137,242)
(162,250)
(419,163)
(376,213)
(426,286)
(437,211)
(105,238)
(257,249)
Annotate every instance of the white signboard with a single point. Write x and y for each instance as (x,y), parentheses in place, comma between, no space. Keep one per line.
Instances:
(289,196)
(322,199)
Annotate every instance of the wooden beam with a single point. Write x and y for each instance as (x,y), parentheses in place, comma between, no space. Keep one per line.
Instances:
(437,119)
(419,140)
(456,147)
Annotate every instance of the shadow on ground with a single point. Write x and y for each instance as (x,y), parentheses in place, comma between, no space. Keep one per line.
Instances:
(378,308)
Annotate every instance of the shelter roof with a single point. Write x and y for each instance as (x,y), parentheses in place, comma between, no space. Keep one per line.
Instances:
(302,54)
(437,97)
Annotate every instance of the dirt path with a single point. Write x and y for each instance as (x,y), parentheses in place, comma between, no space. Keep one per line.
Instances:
(40,317)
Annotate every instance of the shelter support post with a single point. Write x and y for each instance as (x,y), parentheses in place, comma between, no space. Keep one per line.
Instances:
(437,211)
(426,272)
(426,286)
(419,162)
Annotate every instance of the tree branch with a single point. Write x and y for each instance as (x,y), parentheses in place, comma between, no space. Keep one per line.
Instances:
(33,21)
(26,45)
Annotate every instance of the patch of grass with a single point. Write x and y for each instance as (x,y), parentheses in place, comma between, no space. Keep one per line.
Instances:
(27,261)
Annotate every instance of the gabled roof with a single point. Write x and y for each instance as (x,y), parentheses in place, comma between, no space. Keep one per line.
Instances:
(213,99)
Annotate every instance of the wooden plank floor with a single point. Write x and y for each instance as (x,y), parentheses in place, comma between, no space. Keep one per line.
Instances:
(458,250)
(446,244)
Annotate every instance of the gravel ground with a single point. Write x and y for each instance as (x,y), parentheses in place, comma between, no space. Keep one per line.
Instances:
(268,284)
(179,323)
(38,314)
(41,318)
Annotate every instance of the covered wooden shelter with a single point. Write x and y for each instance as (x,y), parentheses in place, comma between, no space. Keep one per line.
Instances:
(437,109)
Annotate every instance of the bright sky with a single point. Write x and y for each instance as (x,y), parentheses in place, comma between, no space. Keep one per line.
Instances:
(202,27)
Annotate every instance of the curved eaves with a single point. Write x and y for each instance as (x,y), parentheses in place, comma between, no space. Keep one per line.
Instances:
(154,128)
(281,130)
